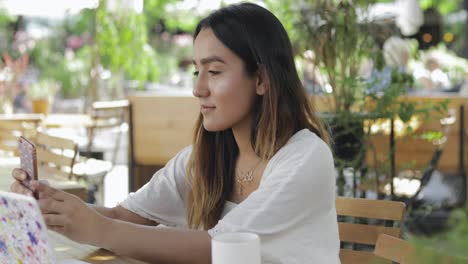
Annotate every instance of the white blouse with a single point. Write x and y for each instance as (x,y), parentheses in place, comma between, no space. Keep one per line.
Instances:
(293,209)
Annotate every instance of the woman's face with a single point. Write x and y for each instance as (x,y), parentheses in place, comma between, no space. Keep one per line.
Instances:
(226,92)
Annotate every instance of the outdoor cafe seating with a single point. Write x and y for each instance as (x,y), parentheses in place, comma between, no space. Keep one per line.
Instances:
(106,91)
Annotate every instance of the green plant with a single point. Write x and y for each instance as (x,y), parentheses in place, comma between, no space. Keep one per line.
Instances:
(164,13)
(44,89)
(6,31)
(121,38)
(345,38)
(453,241)
(70,73)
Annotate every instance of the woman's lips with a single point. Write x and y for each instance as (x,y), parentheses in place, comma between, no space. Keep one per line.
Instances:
(206,108)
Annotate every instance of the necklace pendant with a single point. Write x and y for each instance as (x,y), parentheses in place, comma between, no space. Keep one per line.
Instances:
(248,176)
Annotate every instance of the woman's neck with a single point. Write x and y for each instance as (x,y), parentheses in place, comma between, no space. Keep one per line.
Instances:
(242,136)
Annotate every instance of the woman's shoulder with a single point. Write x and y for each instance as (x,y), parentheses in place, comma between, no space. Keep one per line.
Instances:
(304,161)
(181,159)
(305,142)
(304,149)
(184,153)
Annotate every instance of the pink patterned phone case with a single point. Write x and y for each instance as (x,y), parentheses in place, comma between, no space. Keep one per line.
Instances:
(28,158)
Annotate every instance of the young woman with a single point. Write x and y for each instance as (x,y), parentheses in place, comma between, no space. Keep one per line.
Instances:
(259,161)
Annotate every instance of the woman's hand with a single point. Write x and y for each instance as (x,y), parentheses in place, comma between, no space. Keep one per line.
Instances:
(69,215)
(21,181)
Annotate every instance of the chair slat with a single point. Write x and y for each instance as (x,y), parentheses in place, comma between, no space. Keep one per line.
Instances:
(348,256)
(393,248)
(375,209)
(8,135)
(55,174)
(9,148)
(12,129)
(55,142)
(401,251)
(12,125)
(364,234)
(44,156)
(110,105)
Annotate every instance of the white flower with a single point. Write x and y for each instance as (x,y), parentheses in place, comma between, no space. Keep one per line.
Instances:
(410,16)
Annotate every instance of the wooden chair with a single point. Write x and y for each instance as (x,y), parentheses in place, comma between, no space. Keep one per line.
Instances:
(401,251)
(60,164)
(351,214)
(55,159)
(109,116)
(11,130)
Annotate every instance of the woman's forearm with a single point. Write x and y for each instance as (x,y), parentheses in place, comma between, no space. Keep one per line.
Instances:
(105,211)
(120,213)
(152,244)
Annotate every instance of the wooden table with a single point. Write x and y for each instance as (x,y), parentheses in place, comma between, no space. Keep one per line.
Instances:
(67,120)
(63,247)
(21,117)
(52,120)
(67,249)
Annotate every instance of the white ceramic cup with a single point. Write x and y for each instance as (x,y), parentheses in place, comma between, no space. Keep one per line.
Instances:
(235,248)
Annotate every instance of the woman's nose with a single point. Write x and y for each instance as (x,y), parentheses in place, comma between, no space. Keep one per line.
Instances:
(200,88)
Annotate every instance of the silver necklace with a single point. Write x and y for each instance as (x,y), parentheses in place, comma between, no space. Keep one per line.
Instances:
(245,177)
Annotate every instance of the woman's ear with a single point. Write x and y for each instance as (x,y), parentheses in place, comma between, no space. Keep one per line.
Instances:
(262,82)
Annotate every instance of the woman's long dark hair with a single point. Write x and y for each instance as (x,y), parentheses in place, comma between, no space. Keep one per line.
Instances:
(255,35)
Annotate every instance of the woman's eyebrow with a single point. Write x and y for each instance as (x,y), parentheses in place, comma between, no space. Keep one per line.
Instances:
(210,60)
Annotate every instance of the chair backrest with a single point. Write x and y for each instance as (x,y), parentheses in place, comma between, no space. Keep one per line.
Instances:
(56,155)
(107,115)
(394,249)
(11,130)
(361,221)
(401,251)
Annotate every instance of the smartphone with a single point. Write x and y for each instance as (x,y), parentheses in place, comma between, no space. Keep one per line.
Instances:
(28,160)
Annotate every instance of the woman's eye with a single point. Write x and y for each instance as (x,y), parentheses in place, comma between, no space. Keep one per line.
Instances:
(214,72)
(195,73)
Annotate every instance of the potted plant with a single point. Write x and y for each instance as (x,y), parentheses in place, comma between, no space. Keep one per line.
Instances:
(42,94)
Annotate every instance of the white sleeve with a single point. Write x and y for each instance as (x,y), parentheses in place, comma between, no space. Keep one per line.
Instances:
(162,198)
(300,185)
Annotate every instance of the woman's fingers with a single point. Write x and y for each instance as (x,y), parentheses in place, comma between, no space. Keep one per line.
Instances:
(46,191)
(58,229)
(50,206)
(19,174)
(17,187)
(55,220)
(46,182)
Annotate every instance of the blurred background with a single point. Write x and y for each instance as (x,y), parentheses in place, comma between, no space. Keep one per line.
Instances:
(114,77)
(102,49)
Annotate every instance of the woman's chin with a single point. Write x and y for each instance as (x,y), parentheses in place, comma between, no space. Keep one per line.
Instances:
(210,127)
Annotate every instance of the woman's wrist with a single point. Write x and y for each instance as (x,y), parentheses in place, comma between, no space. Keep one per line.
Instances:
(104,231)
